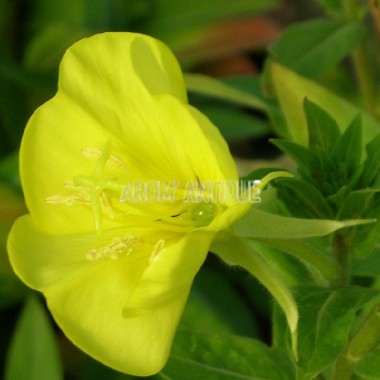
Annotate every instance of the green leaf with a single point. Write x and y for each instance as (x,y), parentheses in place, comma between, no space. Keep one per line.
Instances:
(311,48)
(368,265)
(245,253)
(292,89)
(356,204)
(323,130)
(326,319)
(304,158)
(367,238)
(205,85)
(369,367)
(205,356)
(330,324)
(303,199)
(348,149)
(318,263)
(289,269)
(260,224)
(371,166)
(33,353)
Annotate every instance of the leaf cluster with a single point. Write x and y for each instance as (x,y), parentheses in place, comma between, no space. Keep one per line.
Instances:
(338,179)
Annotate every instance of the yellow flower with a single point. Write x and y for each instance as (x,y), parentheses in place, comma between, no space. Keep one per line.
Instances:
(115,267)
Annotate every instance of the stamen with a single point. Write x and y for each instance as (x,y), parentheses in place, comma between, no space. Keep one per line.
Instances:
(156,250)
(118,246)
(106,205)
(112,159)
(68,200)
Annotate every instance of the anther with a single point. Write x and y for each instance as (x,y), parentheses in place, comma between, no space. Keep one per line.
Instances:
(68,200)
(117,247)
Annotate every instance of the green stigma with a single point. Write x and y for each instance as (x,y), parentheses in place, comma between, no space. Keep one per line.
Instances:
(203,213)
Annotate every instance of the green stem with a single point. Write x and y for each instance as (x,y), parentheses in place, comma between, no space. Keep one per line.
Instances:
(351,9)
(365,78)
(375,11)
(361,60)
(365,339)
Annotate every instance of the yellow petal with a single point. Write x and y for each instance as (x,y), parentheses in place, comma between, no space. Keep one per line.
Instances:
(42,260)
(87,298)
(92,318)
(170,273)
(107,95)
(199,140)
(120,64)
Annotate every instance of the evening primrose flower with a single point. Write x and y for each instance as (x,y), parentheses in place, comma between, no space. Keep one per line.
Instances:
(115,272)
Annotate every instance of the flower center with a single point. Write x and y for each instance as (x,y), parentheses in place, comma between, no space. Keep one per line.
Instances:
(96,191)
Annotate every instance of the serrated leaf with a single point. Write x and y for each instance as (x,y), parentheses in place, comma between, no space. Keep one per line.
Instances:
(304,199)
(261,224)
(369,367)
(209,357)
(292,89)
(312,47)
(33,353)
